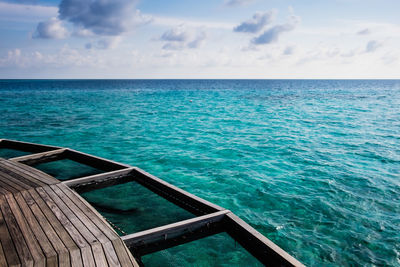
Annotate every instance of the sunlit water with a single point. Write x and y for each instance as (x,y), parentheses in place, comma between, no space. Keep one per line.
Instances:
(313,165)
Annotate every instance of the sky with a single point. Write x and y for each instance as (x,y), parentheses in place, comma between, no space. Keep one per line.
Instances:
(207,39)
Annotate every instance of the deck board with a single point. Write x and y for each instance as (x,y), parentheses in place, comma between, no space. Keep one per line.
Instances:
(44,223)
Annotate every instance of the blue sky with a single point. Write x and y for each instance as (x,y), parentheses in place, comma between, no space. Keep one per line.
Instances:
(200,39)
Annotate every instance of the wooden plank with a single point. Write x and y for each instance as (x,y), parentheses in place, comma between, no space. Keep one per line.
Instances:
(32,243)
(44,242)
(26,184)
(67,215)
(183,199)
(83,217)
(4,191)
(36,174)
(19,173)
(99,181)
(122,253)
(28,172)
(40,157)
(15,233)
(19,186)
(95,217)
(75,255)
(3,261)
(70,223)
(258,245)
(84,224)
(7,187)
(7,244)
(112,257)
(159,238)
(99,256)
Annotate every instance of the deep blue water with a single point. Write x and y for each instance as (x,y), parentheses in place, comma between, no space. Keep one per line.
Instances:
(314,165)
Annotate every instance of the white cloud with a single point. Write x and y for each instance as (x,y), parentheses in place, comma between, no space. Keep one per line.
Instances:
(104,43)
(237,2)
(372,46)
(181,37)
(198,41)
(365,31)
(50,29)
(272,35)
(102,17)
(177,34)
(289,50)
(257,22)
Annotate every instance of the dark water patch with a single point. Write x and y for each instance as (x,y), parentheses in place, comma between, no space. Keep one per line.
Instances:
(66,169)
(12,153)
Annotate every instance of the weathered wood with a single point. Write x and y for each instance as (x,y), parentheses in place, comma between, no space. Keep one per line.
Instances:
(81,235)
(3,191)
(19,173)
(94,216)
(7,244)
(258,245)
(29,172)
(75,255)
(111,255)
(159,238)
(122,253)
(7,187)
(99,181)
(25,183)
(45,244)
(41,157)
(33,245)
(3,261)
(15,233)
(185,200)
(85,225)
(9,180)
(46,224)
(109,248)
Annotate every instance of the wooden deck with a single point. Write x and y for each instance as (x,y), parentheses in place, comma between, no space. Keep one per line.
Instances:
(44,223)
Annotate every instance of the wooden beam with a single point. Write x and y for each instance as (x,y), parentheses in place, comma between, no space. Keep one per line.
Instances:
(258,245)
(25,146)
(179,197)
(95,162)
(41,157)
(174,234)
(101,180)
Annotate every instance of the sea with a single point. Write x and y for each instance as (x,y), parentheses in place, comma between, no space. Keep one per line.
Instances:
(314,165)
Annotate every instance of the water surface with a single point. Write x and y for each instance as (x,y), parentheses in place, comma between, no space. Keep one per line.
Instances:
(313,165)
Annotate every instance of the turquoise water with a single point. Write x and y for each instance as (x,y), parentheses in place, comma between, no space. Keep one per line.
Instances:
(313,165)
